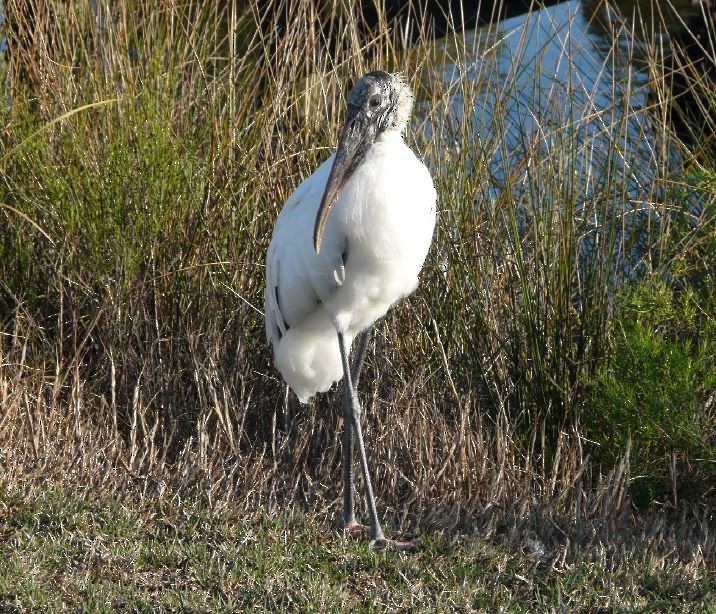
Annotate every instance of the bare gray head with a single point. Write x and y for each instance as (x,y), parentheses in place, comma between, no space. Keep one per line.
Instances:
(384,98)
(379,102)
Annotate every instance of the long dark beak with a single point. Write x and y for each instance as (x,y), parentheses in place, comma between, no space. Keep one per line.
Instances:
(358,134)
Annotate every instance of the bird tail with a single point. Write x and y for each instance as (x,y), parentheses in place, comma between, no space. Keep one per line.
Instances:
(308,356)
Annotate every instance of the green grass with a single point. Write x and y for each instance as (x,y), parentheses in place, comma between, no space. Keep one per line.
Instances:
(60,551)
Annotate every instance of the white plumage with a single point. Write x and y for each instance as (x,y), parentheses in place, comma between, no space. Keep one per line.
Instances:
(382,223)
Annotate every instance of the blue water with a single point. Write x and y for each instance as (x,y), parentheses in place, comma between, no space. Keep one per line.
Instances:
(561,82)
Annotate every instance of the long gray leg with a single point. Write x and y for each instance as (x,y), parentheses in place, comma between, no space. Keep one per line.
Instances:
(349,518)
(376,533)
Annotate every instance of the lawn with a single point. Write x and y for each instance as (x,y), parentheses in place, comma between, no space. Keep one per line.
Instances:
(62,551)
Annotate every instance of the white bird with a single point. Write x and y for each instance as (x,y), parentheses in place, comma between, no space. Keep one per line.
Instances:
(348,244)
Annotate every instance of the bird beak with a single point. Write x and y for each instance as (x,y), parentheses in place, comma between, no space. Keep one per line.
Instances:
(358,134)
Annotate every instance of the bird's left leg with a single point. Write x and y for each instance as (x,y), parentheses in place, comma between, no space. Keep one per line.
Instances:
(353,417)
(377,538)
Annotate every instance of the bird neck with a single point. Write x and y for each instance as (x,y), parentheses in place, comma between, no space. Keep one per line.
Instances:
(390,135)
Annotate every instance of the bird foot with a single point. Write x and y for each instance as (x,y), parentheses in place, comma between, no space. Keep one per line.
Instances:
(352,527)
(393,544)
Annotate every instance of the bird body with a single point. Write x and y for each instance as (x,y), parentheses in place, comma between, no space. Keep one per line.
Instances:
(375,242)
(348,244)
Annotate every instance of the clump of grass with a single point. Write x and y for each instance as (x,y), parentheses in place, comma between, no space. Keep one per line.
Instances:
(655,392)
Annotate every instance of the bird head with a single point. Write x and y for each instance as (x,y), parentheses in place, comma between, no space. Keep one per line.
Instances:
(379,102)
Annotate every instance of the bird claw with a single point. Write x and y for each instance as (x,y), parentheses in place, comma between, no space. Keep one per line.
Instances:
(393,544)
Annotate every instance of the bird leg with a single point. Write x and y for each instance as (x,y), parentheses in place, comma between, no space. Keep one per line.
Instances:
(349,522)
(376,533)
(363,342)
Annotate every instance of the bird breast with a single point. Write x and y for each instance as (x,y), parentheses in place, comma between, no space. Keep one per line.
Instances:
(375,241)
(387,208)
(386,212)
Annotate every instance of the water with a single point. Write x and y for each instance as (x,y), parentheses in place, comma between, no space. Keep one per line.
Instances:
(566,81)
(562,64)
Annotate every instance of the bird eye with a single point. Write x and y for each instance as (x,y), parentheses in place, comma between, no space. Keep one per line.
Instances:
(374,102)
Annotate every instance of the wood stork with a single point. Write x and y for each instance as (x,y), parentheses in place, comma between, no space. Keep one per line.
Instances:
(348,244)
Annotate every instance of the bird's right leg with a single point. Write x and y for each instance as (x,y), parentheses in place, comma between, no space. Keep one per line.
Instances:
(349,522)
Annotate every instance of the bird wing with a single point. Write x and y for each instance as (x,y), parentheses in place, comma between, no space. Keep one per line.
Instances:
(298,279)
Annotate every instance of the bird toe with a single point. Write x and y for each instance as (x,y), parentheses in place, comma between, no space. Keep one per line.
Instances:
(394,544)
